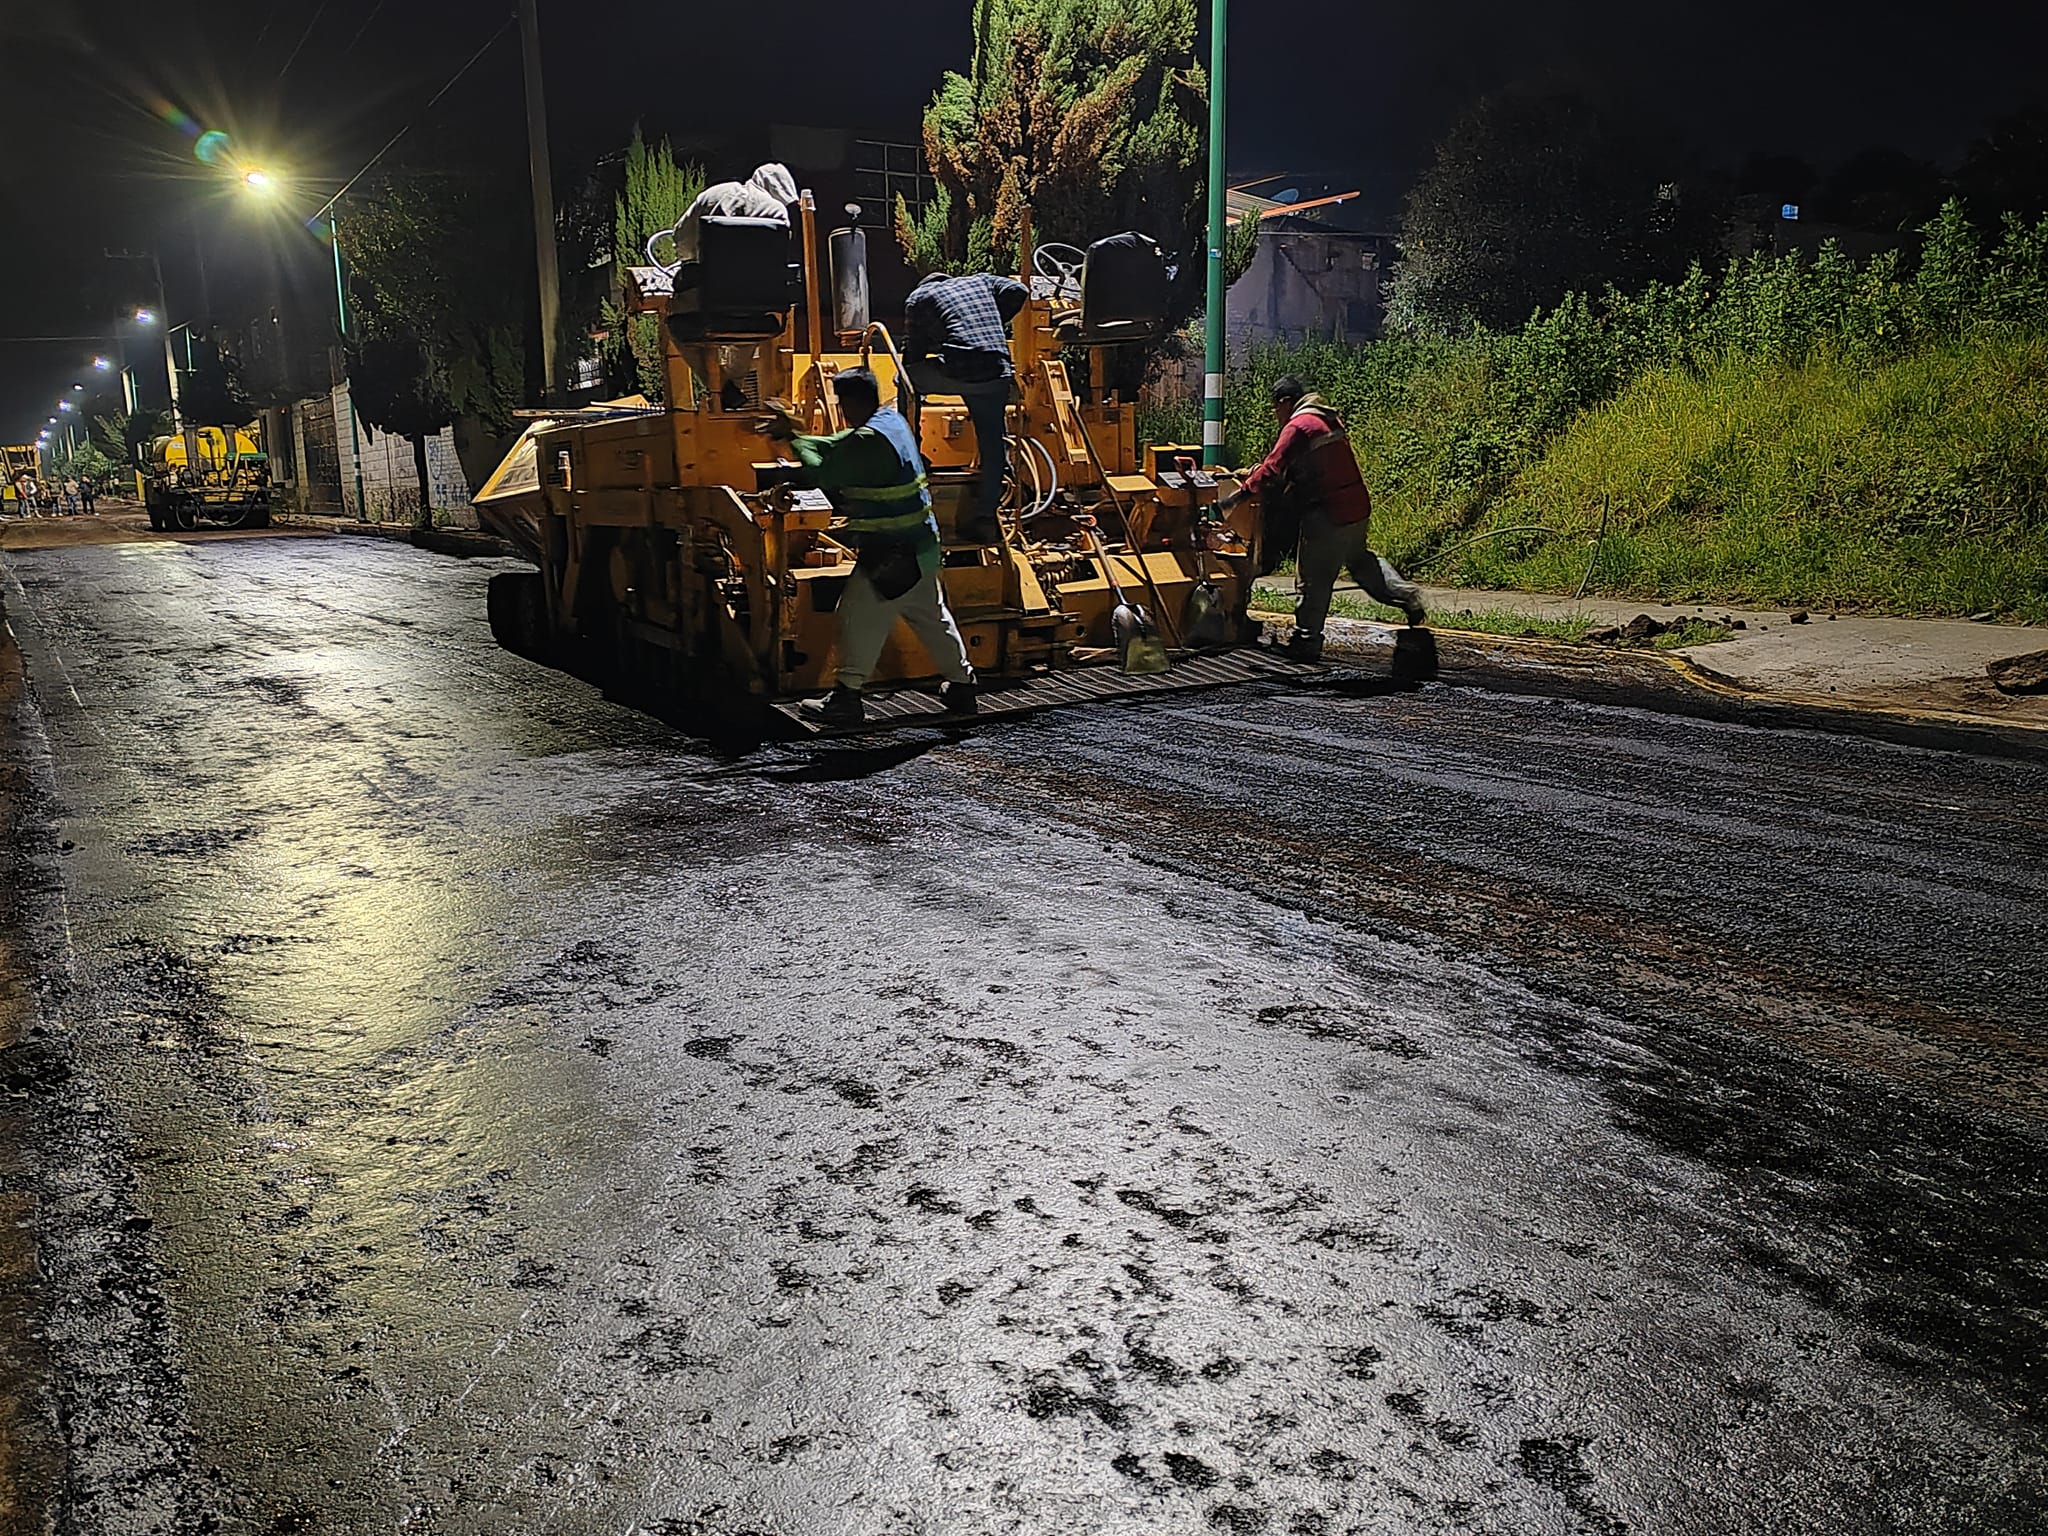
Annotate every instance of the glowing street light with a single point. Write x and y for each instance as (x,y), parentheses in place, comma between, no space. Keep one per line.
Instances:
(63,405)
(101,364)
(259,181)
(80,388)
(145,317)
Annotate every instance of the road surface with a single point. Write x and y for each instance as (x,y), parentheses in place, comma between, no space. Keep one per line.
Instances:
(464,1105)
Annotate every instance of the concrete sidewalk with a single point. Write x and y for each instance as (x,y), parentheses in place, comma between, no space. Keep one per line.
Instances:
(446,541)
(1931,670)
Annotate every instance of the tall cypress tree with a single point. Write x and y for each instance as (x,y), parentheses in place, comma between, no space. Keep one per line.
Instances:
(657,192)
(1090,113)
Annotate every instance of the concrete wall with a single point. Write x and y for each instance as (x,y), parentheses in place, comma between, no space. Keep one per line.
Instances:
(1310,285)
(391,486)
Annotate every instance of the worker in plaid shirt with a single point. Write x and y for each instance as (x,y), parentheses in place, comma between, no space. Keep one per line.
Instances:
(956,341)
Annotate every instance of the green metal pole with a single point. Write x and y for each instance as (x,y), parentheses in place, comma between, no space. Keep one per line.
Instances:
(355,434)
(1212,349)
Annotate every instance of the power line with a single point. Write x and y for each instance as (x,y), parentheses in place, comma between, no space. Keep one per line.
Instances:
(423,111)
(318,11)
(361,30)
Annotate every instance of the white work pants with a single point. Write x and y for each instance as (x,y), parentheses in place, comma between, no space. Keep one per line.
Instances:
(866,619)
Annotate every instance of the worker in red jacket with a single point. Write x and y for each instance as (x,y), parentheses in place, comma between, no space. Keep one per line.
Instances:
(1313,475)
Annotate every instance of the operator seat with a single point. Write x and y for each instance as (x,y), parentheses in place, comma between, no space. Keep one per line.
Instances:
(741,287)
(1124,287)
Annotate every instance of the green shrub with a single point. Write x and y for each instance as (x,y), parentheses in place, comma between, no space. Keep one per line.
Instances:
(1795,430)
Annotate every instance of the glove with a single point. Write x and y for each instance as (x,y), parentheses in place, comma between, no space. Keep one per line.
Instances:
(781,423)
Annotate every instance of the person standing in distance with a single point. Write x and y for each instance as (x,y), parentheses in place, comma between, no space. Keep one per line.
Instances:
(956,341)
(1313,474)
(875,476)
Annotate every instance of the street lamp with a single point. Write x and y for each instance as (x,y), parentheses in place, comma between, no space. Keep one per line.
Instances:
(259,181)
(145,317)
(102,364)
(355,430)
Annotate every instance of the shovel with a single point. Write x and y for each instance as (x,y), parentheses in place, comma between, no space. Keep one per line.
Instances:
(1208,621)
(1139,649)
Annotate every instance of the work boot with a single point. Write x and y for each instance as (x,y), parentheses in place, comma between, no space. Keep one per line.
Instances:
(840,707)
(961,698)
(1305,647)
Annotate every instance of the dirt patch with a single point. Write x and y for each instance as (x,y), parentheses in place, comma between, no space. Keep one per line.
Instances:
(123,524)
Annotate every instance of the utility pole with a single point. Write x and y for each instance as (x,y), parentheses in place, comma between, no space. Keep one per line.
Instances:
(163,318)
(543,196)
(1213,361)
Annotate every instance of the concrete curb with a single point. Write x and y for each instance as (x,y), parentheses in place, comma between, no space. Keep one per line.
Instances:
(464,543)
(1672,684)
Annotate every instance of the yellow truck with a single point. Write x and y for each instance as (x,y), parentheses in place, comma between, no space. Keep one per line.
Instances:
(20,470)
(677,556)
(210,475)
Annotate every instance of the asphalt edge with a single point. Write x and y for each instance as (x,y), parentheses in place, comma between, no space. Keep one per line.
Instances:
(106,1379)
(463,543)
(32,1460)
(1669,683)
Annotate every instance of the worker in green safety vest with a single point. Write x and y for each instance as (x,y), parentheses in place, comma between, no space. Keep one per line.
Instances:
(875,476)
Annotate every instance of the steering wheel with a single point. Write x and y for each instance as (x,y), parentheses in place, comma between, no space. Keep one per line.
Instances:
(670,267)
(1060,264)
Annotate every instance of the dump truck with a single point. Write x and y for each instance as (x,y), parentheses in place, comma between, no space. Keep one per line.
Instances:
(216,475)
(677,554)
(20,467)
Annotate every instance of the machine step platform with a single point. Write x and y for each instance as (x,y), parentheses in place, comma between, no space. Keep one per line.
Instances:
(1055,690)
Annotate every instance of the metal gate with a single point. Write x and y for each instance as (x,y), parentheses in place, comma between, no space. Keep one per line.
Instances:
(321,471)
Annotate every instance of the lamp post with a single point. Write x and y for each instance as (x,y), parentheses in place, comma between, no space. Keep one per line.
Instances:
(1213,361)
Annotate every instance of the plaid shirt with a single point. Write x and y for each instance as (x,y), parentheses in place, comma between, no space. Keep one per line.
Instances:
(965,323)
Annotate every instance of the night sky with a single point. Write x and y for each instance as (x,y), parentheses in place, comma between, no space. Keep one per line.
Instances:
(89,90)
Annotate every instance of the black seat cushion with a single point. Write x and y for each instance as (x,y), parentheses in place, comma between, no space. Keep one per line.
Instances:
(1123,292)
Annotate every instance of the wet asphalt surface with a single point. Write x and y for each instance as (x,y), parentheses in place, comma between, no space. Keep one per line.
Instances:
(464,1104)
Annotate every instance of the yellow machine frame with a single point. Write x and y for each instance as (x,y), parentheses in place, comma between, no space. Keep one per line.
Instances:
(672,549)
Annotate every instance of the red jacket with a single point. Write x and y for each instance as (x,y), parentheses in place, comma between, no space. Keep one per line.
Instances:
(1313,466)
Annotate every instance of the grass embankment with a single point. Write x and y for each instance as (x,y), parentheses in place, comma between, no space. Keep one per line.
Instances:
(1916,486)
(1793,432)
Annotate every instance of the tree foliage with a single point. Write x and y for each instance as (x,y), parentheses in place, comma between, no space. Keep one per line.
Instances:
(1090,114)
(123,435)
(398,390)
(1881,189)
(658,190)
(2006,171)
(1530,197)
(428,259)
(210,391)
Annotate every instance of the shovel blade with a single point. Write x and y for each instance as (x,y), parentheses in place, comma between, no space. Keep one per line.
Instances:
(1207,621)
(1144,656)
(1138,649)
